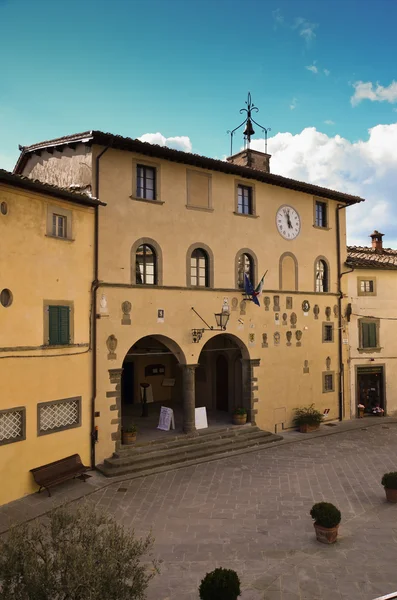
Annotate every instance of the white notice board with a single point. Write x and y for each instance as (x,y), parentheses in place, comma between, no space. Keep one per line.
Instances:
(201,418)
(166,419)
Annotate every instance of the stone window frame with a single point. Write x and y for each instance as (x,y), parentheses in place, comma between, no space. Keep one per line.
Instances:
(55,209)
(66,427)
(159,260)
(46,324)
(254,263)
(317,200)
(134,180)
(240,182)
(362,278)
(280,271)
(370,349)
(208,208)
(22,437)
(325,325)
(210,266)
(324,375)
(328,272)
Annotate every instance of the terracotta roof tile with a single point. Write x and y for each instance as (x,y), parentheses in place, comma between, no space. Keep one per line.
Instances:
(363,257)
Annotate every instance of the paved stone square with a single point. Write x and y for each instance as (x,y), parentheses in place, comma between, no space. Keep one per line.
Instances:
(251,513)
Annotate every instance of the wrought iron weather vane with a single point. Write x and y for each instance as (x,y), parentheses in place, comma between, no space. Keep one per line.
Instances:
(249,129)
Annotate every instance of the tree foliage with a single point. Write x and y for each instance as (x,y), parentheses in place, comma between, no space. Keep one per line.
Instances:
(75,554)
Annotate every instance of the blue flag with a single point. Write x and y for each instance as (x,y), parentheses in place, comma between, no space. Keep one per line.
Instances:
(249,290)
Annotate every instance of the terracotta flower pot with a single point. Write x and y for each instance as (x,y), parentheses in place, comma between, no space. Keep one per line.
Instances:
(129,438)
(239,419)
(391,495)
(326,535)
(307,428)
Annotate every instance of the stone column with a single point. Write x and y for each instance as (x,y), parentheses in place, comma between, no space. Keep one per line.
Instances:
(189,397)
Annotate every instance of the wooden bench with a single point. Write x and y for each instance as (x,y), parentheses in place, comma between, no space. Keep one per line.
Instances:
(58,471)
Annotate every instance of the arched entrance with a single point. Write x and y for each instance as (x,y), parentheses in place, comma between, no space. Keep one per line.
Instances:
(151,371)
(223,377)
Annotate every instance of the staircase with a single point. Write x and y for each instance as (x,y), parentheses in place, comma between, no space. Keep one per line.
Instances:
(160,455)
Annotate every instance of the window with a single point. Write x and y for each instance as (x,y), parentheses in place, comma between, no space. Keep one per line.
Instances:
(12,425)
(321,276)
(245,267)
(59,226)
(366,287)
(146,182)
(369,333)
(328,382)
(146,265)
(58,415)
(199,268)
(244,200)
(320,217)
(328,332)
(58,325)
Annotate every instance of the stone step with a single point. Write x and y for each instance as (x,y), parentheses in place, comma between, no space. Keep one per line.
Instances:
(166,443)
(184,449)
(198,455)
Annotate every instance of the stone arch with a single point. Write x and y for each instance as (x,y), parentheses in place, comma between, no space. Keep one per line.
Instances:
(159,258)
(288,274)
(210,264)
(254,259)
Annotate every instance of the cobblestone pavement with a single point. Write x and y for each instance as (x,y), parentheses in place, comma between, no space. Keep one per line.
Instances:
(250,513)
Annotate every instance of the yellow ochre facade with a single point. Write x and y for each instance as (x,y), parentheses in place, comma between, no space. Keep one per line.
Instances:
(170,238)
(46,389)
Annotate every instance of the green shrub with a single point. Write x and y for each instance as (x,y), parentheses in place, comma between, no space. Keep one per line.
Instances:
(325,514)
(221,584)
(240,411)
(74,554)
(307,415)
(389,480)
(130,429)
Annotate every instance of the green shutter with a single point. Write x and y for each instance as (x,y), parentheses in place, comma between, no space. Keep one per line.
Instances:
(58,325)
(368,333)
(63,324)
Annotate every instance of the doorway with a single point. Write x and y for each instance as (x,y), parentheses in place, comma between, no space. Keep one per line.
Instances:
(370,389)
(222,383)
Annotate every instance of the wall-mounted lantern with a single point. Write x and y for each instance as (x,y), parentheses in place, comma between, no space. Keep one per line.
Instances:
(221,320)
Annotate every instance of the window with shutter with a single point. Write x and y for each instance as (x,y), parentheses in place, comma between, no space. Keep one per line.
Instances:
(58,325)
(369,334)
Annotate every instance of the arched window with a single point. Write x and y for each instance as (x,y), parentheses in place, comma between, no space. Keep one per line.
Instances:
(322,276)
(288,272)
(146,265)
(245,267)
(199,268)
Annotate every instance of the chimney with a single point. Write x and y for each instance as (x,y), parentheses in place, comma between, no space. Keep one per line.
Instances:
(377,243)
(251,158)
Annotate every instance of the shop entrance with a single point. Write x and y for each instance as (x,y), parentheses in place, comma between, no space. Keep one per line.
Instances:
(370,389)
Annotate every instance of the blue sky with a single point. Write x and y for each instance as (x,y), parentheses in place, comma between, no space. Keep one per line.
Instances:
(184,67)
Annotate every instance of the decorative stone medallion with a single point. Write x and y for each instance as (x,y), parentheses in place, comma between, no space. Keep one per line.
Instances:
(316,311)
(288,335)
(288,303)
(293,319)
(266,302)
(264,340)
(285,317)
(276,303)
(277,318)
(126,308)
(243,306)
(298,335)
(328,363)
(103,305)
(251,339)
(234,303)
(111,344)
(328,313)
(306,306)
(306,367)
(276,337)
(336,310)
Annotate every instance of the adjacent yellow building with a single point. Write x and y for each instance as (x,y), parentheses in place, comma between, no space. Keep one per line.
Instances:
(177,236)
(372,293)
(46,272)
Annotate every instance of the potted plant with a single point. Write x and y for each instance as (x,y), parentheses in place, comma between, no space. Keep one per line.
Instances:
(326,521)
(307,418)
(361,409)
(220,584)
(389,482)
(129,435)
(239,416)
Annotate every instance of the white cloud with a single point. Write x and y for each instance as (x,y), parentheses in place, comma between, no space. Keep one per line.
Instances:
(181,142)
(278,17)
(363,168)
(378,93)
(305,29)
(329,122)
(326,72)
(312,68)
(293,104)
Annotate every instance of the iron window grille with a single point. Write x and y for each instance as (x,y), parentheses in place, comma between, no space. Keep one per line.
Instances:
(12,425)
(58,415)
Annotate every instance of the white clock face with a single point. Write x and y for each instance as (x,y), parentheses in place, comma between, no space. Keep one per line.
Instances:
(288,222)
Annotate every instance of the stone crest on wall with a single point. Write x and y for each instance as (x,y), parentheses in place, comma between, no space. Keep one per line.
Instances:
(111,344)
(126,308)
